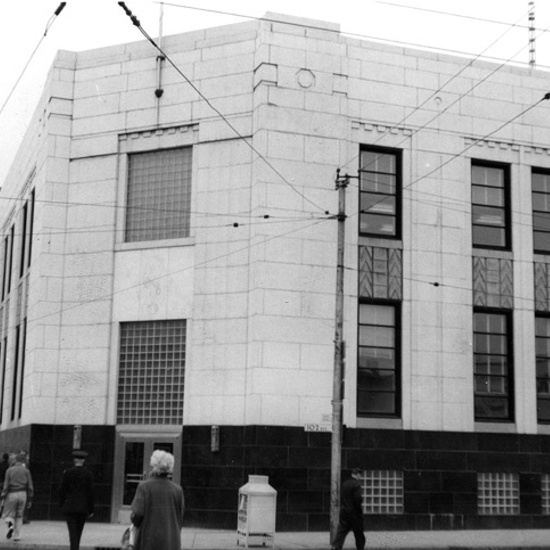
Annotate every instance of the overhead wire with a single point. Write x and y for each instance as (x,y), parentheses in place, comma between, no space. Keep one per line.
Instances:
(264,239)
(408,137)
(485,137)
(511,26)
(452,157)
(459,15)
(168,210)
(342,32)
(434,94)
(227,13)
(546,97)
(137,24)
(48,26)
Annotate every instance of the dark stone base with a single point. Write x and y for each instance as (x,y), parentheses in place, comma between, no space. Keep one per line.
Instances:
(440,473)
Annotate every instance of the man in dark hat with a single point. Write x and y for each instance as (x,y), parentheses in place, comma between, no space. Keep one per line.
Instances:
(76,497)
(351,513)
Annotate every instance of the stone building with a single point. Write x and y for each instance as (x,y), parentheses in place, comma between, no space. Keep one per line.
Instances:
(169,269)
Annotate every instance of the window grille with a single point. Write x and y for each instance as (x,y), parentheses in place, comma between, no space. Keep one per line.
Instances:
(151,372)
(382,491)
(497,494)
(159,195)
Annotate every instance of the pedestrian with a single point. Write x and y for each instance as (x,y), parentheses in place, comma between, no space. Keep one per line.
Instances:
(17,493)
(351,513)
(4,465)
(76,497)
(26,513)
(157,508)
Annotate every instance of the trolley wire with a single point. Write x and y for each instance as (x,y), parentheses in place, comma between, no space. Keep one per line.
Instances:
(137,24)
(48,26)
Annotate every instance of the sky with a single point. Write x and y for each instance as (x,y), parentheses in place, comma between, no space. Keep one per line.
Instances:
(493,28)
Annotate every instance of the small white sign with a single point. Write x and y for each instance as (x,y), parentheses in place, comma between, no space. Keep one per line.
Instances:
(318,428)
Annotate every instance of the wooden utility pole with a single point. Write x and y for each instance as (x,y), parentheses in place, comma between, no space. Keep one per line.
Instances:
(336,447)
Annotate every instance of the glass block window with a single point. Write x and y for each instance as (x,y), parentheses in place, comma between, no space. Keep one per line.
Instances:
(158,195)
(493,366)
(490,206)
(540,194)
(151,372)
(382,492)
(380,193)
(542,347)
(497,494)
(378,365)
(545,488)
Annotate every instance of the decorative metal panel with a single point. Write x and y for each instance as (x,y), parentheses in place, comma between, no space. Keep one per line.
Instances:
(19,301)
(380,273)
(542,286)
(6,316)
(493,282)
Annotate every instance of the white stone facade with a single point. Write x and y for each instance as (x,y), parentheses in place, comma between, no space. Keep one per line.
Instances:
(298,103)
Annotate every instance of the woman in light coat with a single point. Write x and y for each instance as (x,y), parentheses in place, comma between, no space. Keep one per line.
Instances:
(157,508)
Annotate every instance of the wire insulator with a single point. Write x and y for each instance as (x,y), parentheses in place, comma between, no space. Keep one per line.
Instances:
(125,8)
(60,8)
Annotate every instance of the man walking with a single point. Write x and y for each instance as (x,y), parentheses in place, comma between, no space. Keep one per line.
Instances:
(76,497)
(17,493)
(351,513)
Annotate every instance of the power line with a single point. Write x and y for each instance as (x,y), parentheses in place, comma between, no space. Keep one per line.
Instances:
(461,153)
(456,75)
(459,15)
(545,97)
(110,295)
(168,210)
(48,26)
(340,32)
(136,23)
(476,141)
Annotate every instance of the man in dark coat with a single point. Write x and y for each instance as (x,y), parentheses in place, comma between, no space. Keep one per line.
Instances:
(76,497)
(351,513)
(4,465)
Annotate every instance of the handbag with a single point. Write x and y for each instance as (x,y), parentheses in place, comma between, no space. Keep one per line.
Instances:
(128,538)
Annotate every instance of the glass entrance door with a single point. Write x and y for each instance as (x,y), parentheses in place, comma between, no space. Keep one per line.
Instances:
(132,457)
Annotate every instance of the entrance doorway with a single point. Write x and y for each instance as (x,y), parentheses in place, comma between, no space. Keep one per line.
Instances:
(132,457)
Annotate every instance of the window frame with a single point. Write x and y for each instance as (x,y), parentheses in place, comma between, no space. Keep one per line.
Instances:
(539,315)
(506,209)
(397,392)
(509,376)
(397,217)
(535,212)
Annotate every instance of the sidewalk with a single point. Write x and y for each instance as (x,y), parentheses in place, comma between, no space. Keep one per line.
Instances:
(53,535)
